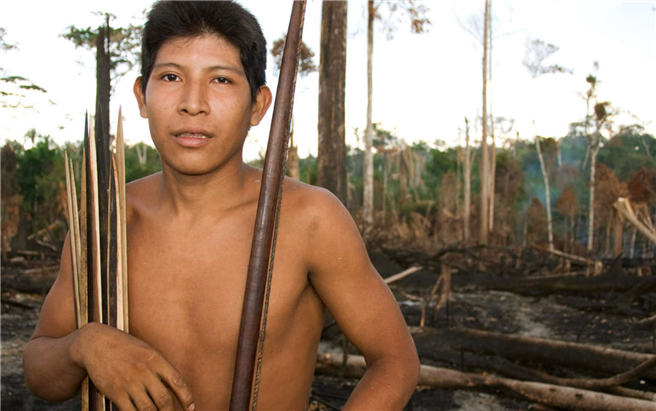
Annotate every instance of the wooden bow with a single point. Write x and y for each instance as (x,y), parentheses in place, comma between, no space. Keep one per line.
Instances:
(260,267)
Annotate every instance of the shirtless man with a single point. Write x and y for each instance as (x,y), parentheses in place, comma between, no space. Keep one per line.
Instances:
(189,231)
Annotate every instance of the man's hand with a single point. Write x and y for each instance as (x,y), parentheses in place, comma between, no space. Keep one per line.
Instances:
(131,373)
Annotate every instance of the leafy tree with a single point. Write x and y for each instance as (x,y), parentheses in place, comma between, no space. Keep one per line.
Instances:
(10,199)
(39,181)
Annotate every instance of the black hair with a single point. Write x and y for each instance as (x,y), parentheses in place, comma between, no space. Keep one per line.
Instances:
(169,20)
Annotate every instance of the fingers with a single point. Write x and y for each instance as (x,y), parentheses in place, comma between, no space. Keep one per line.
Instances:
(124,404)
(177,383)
(161,396)
(142,400)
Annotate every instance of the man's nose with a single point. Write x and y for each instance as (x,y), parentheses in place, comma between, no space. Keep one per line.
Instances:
(194,100)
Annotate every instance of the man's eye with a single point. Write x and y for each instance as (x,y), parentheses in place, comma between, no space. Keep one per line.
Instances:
(170,77)
(222,80)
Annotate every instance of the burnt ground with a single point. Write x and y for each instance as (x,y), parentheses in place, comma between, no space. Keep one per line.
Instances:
(568,316)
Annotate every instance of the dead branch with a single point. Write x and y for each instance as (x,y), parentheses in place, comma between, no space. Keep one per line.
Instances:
(551,395)
(396,277)
(646,321)
(643,287)
(619,379)
(597,265)
(57,223)
(623,206)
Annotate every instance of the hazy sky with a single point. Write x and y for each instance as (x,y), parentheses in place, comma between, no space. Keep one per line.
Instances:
(424,84)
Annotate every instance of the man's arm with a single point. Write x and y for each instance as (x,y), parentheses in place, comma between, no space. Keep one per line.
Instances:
(127,370)
(363,306)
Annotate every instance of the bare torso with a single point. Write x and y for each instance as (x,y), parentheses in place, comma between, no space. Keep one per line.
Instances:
(187,282)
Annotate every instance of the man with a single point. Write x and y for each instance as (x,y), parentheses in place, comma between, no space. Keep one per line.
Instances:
(189,235)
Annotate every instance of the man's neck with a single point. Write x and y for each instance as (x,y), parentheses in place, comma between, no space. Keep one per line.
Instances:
(217,192)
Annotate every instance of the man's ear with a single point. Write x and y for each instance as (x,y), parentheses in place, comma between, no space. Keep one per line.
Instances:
(261,105)
(141,98)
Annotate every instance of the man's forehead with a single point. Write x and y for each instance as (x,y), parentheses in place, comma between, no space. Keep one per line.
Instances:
(211,51)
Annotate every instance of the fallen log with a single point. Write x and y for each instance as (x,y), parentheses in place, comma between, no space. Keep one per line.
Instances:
(506,368)
(558,284)
(582,356)
(548,394)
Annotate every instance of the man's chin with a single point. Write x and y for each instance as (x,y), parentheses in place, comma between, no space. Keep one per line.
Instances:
(193,169)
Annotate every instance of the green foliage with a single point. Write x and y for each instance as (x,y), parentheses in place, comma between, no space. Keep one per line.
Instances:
(640,147)
(39,179)
(141,160)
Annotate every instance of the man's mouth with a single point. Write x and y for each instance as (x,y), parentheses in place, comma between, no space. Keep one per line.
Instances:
(194,135)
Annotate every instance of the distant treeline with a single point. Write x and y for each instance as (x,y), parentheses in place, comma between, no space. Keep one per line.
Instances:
(418,188)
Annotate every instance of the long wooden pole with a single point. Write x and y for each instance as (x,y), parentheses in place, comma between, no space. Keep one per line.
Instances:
(270,191)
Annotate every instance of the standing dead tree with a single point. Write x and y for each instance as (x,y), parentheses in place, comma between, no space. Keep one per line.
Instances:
(537,51)
(484,229)
(467,174)
(418,24)
(547,191)
(595,143)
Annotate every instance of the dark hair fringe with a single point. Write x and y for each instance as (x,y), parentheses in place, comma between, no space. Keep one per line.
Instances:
(168,20)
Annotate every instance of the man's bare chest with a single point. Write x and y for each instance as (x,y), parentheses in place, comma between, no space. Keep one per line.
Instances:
(193,282)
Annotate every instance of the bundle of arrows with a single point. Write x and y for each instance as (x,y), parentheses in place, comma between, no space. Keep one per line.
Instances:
(98,241)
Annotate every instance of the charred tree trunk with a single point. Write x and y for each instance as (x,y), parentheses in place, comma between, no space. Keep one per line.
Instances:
(331,161)
(102,88)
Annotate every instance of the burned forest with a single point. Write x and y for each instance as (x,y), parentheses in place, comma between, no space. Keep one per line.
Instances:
(523,260)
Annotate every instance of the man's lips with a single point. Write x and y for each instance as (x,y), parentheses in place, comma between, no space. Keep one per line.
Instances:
(192,139)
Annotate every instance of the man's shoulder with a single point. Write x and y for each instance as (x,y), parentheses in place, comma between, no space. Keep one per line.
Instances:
(313,209)
(142,192)
(308,198)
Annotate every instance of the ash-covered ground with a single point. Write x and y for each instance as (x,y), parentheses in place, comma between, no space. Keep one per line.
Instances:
(569,316)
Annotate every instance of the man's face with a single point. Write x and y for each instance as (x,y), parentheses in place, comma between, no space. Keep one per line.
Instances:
(198,104)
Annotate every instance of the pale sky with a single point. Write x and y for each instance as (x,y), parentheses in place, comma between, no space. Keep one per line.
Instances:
(424,84)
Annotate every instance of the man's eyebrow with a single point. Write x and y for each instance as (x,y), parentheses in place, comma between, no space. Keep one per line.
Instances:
(212,68)
(229,68)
